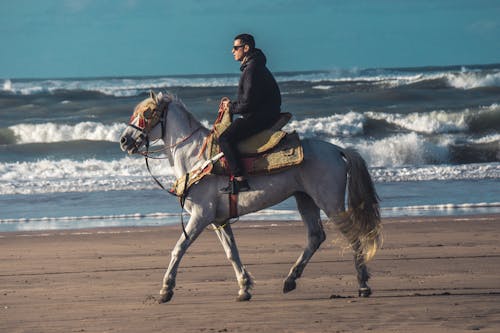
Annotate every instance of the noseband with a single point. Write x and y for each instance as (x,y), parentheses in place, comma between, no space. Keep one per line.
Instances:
(159,114)
(149,119)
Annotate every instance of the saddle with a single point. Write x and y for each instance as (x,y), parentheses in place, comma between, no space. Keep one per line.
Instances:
(269,151)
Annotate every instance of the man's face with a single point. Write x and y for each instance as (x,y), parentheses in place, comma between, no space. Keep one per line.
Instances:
(239,50)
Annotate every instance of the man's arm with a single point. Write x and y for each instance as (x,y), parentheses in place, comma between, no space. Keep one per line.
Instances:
(250,95)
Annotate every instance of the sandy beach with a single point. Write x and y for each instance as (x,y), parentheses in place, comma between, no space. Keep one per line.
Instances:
(433,274)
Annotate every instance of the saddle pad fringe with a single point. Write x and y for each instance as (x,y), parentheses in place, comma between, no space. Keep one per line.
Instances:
(286,154)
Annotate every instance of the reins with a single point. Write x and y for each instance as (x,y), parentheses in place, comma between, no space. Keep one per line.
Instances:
(147,155)
(165,148)
(163,108)
(183,196)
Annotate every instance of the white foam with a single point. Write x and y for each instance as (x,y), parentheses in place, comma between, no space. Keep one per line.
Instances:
(49,176)
(119,87)
(475,171)
(322,87)
(338,125)
(352,123)
(51,132)
(7,85)
(466,79)
(157,215)
(401,150)
(472,79)
(492,138)
(381,77)
(427,122)
(160,218)
(129,173)
(349,124)
(446,206)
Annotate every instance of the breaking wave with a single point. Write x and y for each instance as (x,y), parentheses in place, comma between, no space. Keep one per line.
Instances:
(49,176)
(52,132)
(471,80)
(440,137)
(343,125)
(350,124)
(470,77)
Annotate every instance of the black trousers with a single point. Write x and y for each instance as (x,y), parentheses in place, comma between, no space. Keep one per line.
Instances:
(240,129)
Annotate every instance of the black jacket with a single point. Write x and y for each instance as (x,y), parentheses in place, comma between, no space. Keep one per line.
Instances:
(258,93)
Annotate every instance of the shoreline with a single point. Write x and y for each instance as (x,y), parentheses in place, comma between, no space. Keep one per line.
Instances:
(251,222)
(433,274)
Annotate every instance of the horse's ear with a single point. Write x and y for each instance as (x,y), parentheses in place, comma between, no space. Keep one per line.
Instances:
(153,96)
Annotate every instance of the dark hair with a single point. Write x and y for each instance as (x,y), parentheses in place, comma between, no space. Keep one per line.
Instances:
(246,39)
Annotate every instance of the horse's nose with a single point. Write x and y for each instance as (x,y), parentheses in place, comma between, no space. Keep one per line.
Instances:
(123,143)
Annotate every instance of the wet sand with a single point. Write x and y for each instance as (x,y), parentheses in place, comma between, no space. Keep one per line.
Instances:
(433,274)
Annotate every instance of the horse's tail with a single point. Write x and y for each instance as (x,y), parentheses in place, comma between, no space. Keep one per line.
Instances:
(362,225)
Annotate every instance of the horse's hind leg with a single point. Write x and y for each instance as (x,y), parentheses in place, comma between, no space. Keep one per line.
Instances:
(310,214)
(245,282)
(359,259)
(363,275)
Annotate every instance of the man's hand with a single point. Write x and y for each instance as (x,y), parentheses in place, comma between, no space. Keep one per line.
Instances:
(224,104)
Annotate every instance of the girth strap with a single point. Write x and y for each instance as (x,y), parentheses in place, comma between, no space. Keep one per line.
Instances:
(233,205)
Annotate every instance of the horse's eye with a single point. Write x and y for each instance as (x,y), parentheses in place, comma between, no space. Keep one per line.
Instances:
(148,114)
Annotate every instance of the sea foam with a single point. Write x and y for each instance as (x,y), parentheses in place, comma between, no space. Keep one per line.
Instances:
(345,125)
(427,122)
(437,172)
(133,86)
(51,132)
(471,80)
(129,173)
(46,176)
(402,149)
(7,85)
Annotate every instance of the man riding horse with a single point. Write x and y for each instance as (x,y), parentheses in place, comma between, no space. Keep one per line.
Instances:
(323,177)
(258,103)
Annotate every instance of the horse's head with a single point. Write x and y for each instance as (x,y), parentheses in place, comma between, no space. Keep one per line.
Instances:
(143,126)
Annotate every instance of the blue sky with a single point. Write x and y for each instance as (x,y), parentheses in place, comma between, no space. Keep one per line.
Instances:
(88,38)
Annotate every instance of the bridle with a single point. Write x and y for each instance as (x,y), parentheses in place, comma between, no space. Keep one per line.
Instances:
(148,119)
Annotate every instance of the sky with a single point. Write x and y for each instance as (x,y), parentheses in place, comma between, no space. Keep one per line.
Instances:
(93,38)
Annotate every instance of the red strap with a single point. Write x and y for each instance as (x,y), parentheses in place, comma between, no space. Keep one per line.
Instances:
(233,205)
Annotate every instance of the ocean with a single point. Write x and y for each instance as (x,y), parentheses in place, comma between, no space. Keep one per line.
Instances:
(430,135)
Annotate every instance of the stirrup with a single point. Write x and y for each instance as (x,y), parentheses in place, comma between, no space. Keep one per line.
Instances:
(235,186)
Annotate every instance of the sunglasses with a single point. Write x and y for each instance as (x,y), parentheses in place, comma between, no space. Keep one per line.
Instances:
(237,47)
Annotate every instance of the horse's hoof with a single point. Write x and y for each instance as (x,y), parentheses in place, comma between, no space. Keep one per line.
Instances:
(289,286)
(246,296)
(166,297)
(364,292)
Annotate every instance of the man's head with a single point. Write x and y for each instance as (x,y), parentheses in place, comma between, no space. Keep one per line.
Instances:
(242,45)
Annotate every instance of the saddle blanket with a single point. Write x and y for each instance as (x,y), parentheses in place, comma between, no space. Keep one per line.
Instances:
(269,151)
(286,154)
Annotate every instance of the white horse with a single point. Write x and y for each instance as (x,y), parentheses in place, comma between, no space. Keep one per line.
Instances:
(319,183)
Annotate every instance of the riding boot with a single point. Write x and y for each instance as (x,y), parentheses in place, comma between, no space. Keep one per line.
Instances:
(236,186)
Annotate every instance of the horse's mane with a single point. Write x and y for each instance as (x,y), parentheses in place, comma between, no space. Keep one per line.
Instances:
(171,98)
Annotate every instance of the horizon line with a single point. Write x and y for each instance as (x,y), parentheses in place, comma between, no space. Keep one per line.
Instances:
(279,72)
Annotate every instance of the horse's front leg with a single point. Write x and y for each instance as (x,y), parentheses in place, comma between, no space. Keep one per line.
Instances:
(245,281)
(194,228)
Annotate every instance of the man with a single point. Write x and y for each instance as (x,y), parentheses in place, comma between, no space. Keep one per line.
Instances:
(258,103)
